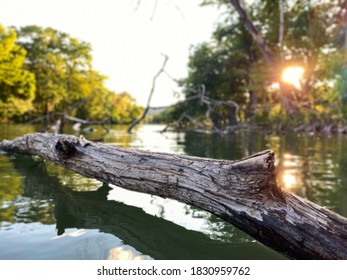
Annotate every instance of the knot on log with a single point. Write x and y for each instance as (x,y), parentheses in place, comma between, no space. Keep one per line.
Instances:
(66,147)
(270,160)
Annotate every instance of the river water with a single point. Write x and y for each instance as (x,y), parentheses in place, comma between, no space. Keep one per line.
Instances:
(47,212)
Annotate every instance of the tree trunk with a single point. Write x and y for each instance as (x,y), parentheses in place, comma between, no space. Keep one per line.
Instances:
(244,192)
(253,31)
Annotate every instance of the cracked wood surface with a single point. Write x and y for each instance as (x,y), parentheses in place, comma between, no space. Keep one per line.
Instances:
(243,192)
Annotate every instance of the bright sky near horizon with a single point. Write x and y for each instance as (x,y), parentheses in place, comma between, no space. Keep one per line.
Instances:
(126,37)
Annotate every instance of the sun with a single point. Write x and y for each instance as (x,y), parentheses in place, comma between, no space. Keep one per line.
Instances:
(293,75)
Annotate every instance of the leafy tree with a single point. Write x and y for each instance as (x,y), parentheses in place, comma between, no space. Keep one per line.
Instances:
(61,65)
(250,48)
(222,68)
(64,76)
(122,108)
(106,105)
(17,85)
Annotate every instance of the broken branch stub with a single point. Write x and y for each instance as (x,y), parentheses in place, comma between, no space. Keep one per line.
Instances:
(243,192)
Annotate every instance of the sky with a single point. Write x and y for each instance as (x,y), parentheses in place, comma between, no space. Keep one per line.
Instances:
(128,37)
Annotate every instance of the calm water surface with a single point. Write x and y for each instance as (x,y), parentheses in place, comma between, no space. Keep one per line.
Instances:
(47,212)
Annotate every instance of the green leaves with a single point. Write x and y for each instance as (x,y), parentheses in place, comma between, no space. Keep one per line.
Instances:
(43,70)
(17,85)
(231,66)
(60,64)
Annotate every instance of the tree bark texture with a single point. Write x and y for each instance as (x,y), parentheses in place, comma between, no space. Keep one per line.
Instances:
(243,192)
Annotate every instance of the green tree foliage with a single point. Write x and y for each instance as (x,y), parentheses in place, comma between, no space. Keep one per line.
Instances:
(122,108)
(222,67)
(107,105)
(232,67)
(17,85)
(62,67)
(43,71)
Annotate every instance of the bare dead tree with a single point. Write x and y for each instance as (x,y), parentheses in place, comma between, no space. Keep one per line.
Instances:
(137,5)
(161,70)
(154,9)
(179,121)
(177,8)
(212,108)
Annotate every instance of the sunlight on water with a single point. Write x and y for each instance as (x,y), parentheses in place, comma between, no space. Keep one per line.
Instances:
(171,210)
(149,138)
(126,252)
(289,176)
(75,233)
(288,179)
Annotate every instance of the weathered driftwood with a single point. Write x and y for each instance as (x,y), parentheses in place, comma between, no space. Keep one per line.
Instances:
(244,192)
(147,233)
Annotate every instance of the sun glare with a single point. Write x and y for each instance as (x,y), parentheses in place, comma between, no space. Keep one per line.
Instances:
(293,75)
(289,180)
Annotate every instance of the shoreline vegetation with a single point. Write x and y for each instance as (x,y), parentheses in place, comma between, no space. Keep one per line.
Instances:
(45,73)
(269,65)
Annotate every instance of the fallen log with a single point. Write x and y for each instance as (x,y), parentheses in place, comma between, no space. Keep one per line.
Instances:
(243,192)
(147,233)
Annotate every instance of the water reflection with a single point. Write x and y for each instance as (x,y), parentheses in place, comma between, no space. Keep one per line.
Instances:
(313,171)
(288,179)
(288,171)
(10,188)
(125,252)
(181,214)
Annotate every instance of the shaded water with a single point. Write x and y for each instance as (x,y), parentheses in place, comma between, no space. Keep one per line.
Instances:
(47,212)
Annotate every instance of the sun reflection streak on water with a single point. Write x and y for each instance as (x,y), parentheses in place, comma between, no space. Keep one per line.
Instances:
(289,171)
(289,180)
(312,175)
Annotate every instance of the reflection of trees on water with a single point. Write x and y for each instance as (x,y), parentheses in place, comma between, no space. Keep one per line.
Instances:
(150,235)
(231,146)
(315,164)
(10,188)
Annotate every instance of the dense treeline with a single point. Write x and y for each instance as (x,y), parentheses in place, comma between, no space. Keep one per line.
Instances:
(45,71)
(249,50)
